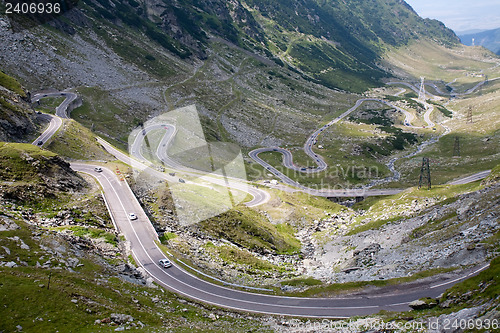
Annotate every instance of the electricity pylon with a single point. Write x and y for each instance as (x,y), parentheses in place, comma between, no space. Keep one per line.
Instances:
(421,93)
(425,173)
(469,115)
(456,148)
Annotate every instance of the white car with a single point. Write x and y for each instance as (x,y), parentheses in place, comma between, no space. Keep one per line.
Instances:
(132,216)
(98,169)
(165,263)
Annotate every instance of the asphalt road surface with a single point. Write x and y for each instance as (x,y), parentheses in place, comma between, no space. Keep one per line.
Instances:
(144,246)
(471,178)
(258,196)
(61,110)
(54,124)
(321,164)
(55,121)
(143,243)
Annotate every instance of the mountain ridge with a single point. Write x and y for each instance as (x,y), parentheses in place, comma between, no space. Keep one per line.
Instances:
(490,39)
(343,38)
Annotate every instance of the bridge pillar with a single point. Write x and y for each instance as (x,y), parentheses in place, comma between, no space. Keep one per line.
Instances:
(359,199)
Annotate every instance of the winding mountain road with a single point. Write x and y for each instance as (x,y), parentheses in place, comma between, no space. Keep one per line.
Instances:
(144,246)
(321,164)
(61,110)
(310,142)
(258,196)
(54,124)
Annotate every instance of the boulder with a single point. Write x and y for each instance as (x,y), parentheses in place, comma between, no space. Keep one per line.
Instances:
(120,318)
(423,303)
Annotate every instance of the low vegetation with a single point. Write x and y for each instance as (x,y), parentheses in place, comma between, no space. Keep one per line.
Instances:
(249,229)
(328,290)
(391,207)
(77,142)
(11,84)
(21,162)
(86,299)
(49,104)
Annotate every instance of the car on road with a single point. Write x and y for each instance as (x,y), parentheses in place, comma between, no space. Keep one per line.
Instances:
(132,216)
(98,169)
(40,143)
(38,112)
(165,263)
(181,180)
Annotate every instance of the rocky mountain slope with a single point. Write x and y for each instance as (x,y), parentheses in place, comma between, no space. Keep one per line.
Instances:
(260,73)
(63,266)
(320,39)
(17,118)
(263,59)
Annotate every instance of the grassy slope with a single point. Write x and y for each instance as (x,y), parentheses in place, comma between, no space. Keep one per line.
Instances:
(482,289)
(77,142)
(479,141)
(11,84)
(26,300)
(298,209)
(49,104)
(14,160)
(436,62)
(391,206)
(15,113)
(249,229)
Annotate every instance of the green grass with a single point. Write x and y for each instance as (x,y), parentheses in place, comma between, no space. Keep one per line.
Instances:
(231,254)
(49,104)
(342,288)
(249,229)
(15,159)
(294,211)
(372,225)
(436,62)
(494,241)
(28,300)
(302,282)
(11,84)
(431,226)
(477,153)
(77,142)
(92,233)
(354,151)
(393,206)
(480,289)
(493,177)
(167,236)
(99,113)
